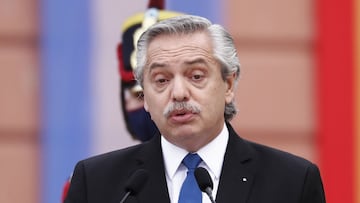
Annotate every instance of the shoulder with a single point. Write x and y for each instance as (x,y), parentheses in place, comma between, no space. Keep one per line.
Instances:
(259,153)
(262,154)
(270,160)
(300,176)
(98,176)
(121,159)
(273,155)
(121,156)
(118,155)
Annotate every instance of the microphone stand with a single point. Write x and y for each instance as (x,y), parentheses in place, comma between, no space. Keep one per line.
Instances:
(208,191)
(125,197)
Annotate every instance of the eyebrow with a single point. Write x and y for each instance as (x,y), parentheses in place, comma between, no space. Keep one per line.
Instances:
(188,62)
(157,65)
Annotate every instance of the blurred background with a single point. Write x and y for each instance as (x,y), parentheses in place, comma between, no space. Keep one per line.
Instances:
(59,85)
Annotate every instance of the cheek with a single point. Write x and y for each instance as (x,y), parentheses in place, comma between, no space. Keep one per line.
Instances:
(219,97)
(213,99)
(146,100)
(146,107)
(154,104)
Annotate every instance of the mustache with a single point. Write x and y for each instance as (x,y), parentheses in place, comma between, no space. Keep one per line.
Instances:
(181,106)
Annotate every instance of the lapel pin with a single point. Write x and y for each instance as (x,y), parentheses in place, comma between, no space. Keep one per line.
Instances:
(244,179)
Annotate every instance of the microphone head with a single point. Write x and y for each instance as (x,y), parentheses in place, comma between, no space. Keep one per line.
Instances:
(136,181)
(203,179)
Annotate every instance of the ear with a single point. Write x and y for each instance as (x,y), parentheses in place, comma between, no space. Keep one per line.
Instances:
(230,88)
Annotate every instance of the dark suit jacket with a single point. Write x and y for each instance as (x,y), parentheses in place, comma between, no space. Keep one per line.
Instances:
(251,173)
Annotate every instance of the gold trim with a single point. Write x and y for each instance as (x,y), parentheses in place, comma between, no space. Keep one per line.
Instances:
(139,17)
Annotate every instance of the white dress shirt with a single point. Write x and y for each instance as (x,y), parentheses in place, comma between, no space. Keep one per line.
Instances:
(212,156)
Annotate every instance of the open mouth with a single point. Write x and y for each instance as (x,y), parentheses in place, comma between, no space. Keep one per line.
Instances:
(180,113)
(181,116)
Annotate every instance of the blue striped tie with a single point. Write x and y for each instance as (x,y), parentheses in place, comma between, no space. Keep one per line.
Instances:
(190,191)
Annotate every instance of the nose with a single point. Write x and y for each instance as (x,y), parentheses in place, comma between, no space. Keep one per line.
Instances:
(180,91)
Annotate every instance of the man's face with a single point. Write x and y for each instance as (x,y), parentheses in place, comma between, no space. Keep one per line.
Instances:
(182,70)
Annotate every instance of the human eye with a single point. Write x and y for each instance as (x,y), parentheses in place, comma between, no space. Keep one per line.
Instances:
(160,80)
(197,75)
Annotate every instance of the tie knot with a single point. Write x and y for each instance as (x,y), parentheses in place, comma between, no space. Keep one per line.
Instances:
(191,161)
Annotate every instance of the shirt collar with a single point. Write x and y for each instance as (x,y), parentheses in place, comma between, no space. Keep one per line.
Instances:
(212,159)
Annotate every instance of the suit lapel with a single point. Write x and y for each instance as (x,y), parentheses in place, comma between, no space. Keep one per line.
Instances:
(238,170)
(151,159)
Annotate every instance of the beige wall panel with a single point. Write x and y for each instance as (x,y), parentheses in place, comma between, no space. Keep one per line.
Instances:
(275,95)
(276,90)
(275,98)
(19,171)
(270,19)
(19,81)
(18,88)
(18,17)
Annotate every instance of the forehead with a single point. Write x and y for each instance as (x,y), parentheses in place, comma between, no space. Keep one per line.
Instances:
(180,46)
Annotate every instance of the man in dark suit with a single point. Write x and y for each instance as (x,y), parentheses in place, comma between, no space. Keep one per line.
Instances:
(188,69)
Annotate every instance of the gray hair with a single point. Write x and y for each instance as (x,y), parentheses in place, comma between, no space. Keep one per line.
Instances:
(223,47)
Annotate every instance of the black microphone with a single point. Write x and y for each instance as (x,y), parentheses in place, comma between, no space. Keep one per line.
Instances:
(204,181)
(135,183)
